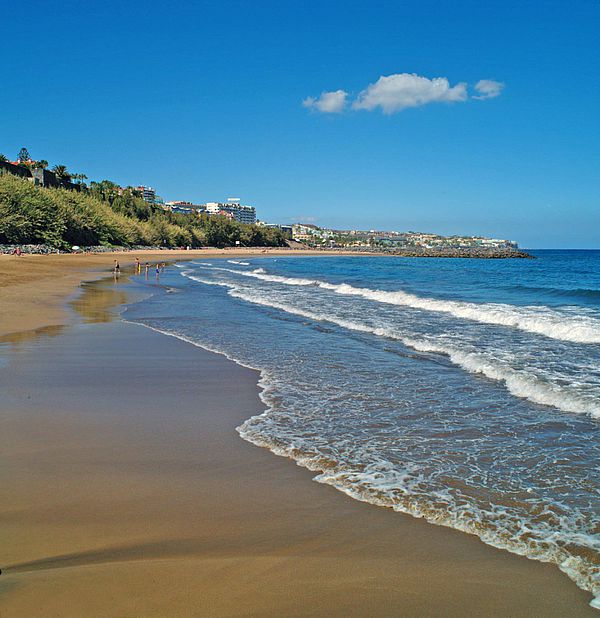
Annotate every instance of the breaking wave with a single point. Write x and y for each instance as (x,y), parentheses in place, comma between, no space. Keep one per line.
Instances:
(538,320)
(516,382)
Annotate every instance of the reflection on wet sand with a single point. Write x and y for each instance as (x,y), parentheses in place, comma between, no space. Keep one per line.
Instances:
(99,300)
(25,336)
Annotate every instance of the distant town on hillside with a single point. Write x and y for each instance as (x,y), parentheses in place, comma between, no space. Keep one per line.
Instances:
(307,234)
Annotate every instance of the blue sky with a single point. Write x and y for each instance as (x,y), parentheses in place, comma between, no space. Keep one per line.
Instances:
(204,100)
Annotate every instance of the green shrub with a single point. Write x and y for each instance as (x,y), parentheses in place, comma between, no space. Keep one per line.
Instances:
(104,215)
(28,214)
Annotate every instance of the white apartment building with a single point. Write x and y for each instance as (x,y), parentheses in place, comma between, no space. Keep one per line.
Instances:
(243,214)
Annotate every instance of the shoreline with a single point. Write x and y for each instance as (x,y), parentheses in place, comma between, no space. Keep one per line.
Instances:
(58,276)
(31,279)
(286,544)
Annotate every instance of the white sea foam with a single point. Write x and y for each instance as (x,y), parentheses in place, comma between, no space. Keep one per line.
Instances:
(238,262)
(207,281)
(408,491)
(539,320)
(406,488)
(518,382)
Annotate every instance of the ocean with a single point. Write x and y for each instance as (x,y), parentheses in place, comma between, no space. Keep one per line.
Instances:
(463,391)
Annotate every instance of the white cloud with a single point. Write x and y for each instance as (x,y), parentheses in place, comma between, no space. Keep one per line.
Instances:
(488,89)
(328,103)
(393,93)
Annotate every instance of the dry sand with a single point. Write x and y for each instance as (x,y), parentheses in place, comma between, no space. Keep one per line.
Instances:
(125,491)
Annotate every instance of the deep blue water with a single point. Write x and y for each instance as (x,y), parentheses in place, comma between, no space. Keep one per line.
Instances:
(463,391)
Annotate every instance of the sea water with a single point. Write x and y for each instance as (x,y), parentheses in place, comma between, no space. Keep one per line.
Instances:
(463,391)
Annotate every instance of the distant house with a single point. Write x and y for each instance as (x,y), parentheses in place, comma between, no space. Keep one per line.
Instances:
(286,229)
(185,208)
(38,176)
(14,169)
(148,194)
(310,232)
(182,210)
(45,178)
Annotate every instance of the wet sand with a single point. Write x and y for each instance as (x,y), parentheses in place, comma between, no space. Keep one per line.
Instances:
(127,492)
(33,287)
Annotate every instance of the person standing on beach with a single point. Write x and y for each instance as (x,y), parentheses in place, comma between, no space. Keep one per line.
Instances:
(138,266)
(147,267)
(117,268)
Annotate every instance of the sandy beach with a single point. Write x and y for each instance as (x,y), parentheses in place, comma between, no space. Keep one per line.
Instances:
(28,281)
(126,490)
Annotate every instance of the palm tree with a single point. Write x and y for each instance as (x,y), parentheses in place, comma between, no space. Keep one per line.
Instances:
(62,173)
(106,189)
(3,158)
(80,179)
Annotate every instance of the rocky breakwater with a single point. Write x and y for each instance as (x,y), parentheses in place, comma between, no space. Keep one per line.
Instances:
(47,249)
(28,249)
(485,253)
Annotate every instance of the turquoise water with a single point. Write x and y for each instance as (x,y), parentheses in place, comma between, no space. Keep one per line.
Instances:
(463,391)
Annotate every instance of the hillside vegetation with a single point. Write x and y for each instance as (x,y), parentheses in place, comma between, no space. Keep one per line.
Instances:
(99,215)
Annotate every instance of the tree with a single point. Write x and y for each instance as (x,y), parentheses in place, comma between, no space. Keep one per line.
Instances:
(23,156)
(104,190)
(79,177)
(42,164)
(3,158)
(221,232)
(62,173)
